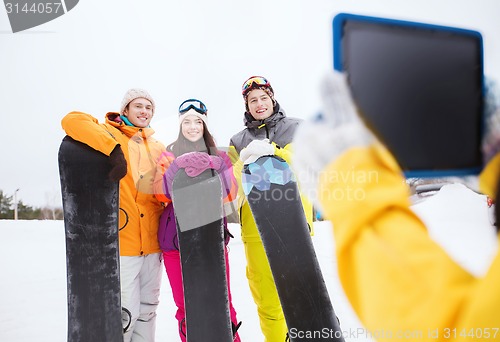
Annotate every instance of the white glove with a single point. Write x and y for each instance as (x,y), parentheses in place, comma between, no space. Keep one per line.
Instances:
(255,150)
(321,140)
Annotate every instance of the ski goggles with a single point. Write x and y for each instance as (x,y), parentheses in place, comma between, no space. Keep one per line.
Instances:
(254,81)
(197,105)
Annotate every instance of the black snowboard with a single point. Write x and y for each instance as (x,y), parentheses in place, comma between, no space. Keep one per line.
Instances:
(198,209)
(90,204)
(273,196)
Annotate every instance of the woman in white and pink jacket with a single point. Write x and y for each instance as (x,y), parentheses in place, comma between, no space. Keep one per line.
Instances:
(195,151)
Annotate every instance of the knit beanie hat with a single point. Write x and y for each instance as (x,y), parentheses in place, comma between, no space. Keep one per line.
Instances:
(133,94)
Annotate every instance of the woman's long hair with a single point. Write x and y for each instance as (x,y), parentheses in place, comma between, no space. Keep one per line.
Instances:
(183,145)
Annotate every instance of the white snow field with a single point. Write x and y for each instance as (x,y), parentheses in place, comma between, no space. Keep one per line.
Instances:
(33,270)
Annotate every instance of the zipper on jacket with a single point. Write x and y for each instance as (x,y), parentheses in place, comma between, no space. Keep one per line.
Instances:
(267,132)
(265,126)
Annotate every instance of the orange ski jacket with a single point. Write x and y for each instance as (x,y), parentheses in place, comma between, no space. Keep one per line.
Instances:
(139,209)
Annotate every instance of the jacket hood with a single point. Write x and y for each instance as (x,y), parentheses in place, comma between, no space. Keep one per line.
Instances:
(279,113)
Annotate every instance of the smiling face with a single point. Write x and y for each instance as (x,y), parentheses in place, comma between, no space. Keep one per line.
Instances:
(260,105)
(139,112)
(192,128)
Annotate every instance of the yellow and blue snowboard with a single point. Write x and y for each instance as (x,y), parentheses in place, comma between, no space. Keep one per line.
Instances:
(272,193)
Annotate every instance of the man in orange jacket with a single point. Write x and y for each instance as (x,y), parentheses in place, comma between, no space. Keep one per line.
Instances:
(127,139)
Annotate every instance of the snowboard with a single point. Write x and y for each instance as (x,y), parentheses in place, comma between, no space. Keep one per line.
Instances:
(90,206)
(200,229)
(273,196)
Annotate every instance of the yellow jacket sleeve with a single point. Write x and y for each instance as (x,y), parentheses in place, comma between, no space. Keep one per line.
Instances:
(237,169)
(401,283)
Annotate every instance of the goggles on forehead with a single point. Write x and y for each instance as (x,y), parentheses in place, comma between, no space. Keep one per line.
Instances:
(197,105)
(254,81)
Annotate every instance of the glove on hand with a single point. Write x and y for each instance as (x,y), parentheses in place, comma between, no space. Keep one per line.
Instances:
(255,150)
(118,164)
(196,162)
(318,142)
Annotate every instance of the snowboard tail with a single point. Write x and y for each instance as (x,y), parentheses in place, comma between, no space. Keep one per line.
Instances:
(198,209)
(274,200)
(90,205)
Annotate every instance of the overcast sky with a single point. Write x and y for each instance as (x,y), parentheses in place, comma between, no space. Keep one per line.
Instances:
(87,59)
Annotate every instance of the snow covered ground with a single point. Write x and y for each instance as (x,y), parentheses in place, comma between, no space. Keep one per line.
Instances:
(33,269)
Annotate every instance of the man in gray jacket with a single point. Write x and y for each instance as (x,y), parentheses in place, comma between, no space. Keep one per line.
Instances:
(268,132)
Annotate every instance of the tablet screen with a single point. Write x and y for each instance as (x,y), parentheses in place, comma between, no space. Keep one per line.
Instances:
(420,89)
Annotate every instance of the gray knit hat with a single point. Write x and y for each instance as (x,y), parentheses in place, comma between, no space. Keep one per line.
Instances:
(133,94)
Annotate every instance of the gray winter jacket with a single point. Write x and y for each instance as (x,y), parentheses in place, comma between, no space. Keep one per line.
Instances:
(278,128)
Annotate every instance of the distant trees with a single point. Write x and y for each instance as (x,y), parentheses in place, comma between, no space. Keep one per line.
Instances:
(5,204)
(26,212)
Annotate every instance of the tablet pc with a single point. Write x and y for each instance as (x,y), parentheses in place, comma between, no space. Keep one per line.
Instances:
(420,89)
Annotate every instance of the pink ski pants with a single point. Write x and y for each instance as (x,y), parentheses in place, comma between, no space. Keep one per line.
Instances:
(172,261)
